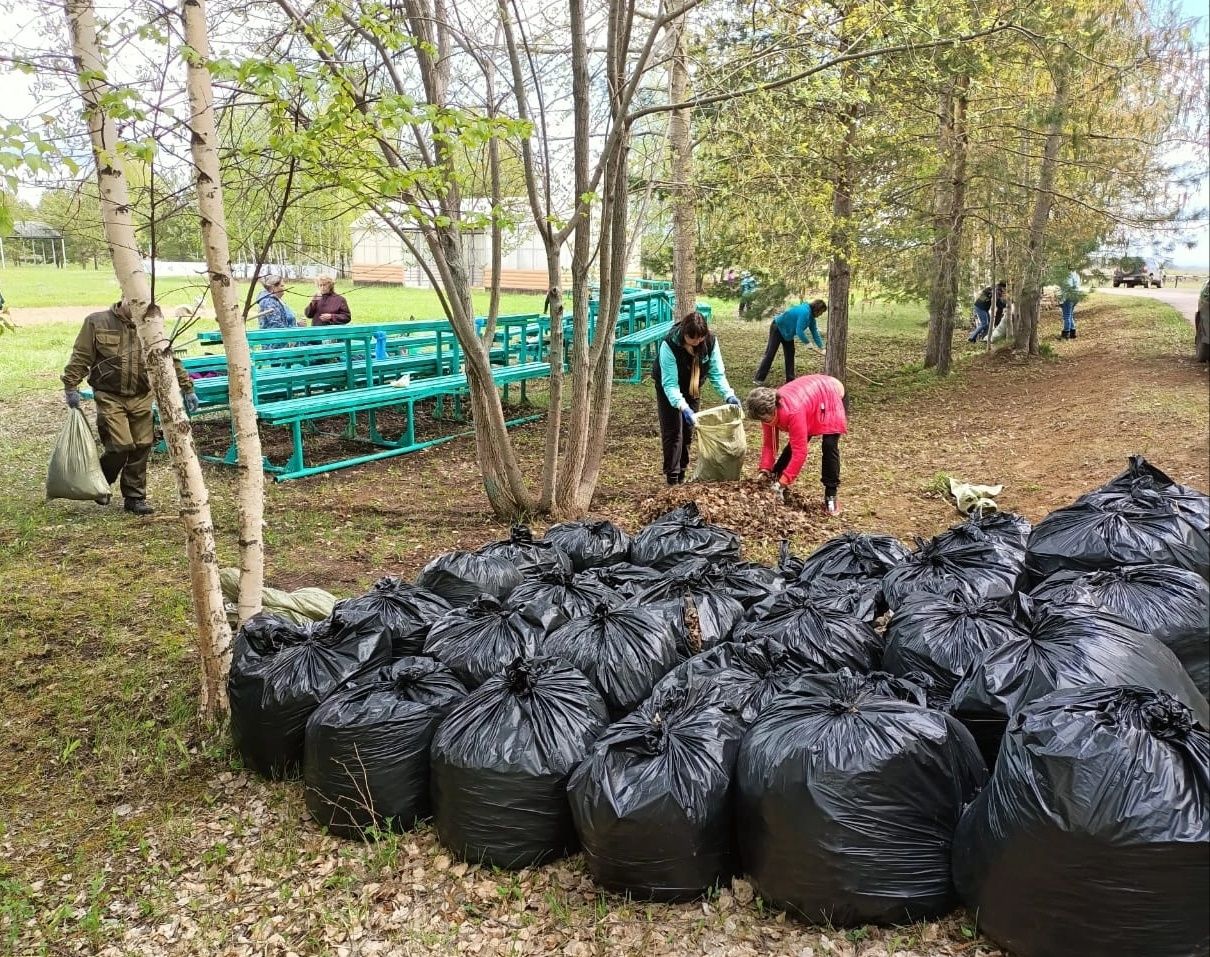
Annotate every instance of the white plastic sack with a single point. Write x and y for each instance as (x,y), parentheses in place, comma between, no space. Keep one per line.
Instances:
(721,444)
(299,606)
(75,467)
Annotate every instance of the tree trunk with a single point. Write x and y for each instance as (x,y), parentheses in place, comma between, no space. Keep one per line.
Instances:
(251,476)
(213,633)
(613,277)
(565,501)
(684,207)
(840,270)
(1030,294)
(948,227)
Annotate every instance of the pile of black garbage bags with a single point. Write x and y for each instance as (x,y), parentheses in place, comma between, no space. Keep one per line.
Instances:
(1006,717)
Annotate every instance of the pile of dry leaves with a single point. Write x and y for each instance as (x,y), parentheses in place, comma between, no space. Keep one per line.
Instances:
(748,509)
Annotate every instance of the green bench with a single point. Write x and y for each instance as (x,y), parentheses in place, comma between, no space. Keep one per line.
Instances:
(634,350)
(294,413)
(271,384)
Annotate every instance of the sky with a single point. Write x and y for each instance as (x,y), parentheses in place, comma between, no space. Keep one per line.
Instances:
(18,101)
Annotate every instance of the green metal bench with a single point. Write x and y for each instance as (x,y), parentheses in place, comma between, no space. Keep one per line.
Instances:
(272,384)
(633,350)
(293,413)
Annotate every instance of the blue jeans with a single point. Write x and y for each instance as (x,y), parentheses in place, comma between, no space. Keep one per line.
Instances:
(985,321)
(1069,314)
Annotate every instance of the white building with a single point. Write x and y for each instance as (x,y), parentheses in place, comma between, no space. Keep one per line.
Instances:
(379,256)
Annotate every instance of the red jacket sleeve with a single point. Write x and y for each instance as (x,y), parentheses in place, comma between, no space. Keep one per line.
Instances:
(768,447)
(799,438)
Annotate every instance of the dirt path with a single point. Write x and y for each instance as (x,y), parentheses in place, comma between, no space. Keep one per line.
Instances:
(47,315)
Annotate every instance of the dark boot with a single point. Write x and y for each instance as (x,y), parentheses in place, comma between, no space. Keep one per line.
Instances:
(1072,334)
(138,506)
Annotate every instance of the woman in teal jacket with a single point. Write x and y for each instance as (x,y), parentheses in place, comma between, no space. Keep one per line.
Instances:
(687,354)
(793,323)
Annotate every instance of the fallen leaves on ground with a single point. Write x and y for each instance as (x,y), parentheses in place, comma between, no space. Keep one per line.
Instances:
(748,508)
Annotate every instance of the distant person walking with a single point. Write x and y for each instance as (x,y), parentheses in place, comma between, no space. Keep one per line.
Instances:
(327,307)
(788,325)
(1071,295)
(983,305)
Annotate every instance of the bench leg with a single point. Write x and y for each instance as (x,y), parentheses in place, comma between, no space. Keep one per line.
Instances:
(409,434)
(295,464)
(350,431)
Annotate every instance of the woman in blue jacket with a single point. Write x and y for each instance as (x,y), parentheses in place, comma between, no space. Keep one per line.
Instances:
(793,323)
(688,354)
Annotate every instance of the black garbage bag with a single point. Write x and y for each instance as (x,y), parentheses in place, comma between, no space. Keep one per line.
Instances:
(682,534)
(979,565)
(1169,603)
(752,585)
(859,598)
(281,671)
(745,676)
(461,577)
(590,544)
(1007,526)
(819,636)
(501,759)
(913,688)
(622,651)
(1142,475)
(652,802)
(405,612)
(847,805)
(1007,533)
(477,641)
(1139,527)
(556,597)
(366,759)
(853,555)
(532,557)
(943,636)
(1066,646)
(628,580)
(709,614)
(1091,837)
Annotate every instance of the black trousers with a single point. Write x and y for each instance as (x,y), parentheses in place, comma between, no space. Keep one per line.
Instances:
(776,341)
(676,435)
(829,470)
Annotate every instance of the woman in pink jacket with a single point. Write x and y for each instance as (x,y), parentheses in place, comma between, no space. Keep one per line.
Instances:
(804,408)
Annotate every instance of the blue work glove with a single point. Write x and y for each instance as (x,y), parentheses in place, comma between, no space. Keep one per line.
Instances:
(72,398)
(688,416)
(191,403)
(733,400)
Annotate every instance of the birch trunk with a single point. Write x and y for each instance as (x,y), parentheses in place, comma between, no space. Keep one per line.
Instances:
(948,228)
(251,476)
(1025,335)
(213,633)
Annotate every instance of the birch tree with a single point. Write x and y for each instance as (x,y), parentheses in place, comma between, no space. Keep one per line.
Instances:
(208,183)
(98,97)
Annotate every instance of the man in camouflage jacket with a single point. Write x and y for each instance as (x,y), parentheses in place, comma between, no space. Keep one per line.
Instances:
(109,353)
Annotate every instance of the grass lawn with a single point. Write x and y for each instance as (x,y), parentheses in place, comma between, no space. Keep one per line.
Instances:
(127,828)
